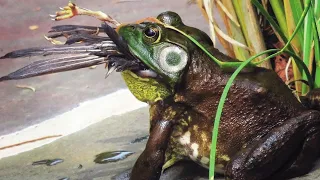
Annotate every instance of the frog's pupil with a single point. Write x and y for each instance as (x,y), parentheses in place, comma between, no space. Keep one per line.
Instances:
(150,32)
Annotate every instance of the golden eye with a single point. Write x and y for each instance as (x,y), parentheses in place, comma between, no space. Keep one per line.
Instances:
(151,32)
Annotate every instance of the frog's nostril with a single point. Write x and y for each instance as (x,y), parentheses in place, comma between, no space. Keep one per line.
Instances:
(132,27)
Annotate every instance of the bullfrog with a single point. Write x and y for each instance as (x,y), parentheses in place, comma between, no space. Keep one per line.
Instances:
(264,133)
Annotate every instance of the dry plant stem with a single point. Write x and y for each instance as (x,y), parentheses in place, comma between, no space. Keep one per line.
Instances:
(226,45)
(54,41)
(206,9)
(72,10)
(277,7)
(30,141)
(251,29)
(234,31)
(214,28)
(287,69)
(225,10)
(291,26)
(227,38)
(26,87)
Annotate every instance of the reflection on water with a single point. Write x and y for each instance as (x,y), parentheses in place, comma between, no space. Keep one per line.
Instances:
(65,178)
(111,156)
(140,139)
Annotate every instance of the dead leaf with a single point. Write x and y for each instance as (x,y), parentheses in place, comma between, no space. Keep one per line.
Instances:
(37,9)
(33,27)
(26,87)
(282,68)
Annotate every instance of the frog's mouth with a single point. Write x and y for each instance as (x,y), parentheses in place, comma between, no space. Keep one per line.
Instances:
(139,68)
(83,48)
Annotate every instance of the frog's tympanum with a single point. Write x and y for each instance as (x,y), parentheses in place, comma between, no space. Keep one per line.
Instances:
(264,133)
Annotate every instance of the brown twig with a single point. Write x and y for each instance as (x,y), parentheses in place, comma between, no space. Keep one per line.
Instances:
(30,141)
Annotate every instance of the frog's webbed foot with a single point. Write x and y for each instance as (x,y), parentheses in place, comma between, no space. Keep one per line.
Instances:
(287,151)
(150,162)
(72,10)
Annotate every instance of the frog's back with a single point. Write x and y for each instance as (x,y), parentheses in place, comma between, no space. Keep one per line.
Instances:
(257,102)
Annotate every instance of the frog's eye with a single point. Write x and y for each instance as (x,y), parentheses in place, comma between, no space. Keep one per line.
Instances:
(151,34)
(173,59)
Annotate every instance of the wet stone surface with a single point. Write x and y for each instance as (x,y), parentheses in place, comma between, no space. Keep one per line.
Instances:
(81,148)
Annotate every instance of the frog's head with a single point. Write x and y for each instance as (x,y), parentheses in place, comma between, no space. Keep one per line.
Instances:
(164,52)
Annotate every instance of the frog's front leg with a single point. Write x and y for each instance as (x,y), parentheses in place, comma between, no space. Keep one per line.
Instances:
(150,162)
(287,151)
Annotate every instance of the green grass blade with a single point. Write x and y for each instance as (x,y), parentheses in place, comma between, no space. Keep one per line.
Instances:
(235,32)
(298,61)
(272,22)
(297,10)
(317,8)
(251,30)
(237,71)
(278,9)
(317,16)
(221,64)
(316,55)
(307,44)
(223,97)
(220,108)
(278,30)
(299,24)
(303,67)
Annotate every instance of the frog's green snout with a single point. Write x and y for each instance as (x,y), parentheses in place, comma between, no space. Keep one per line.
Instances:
(129,61)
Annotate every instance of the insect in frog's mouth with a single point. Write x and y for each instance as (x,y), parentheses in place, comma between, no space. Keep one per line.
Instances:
(81,50)
(130,62)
